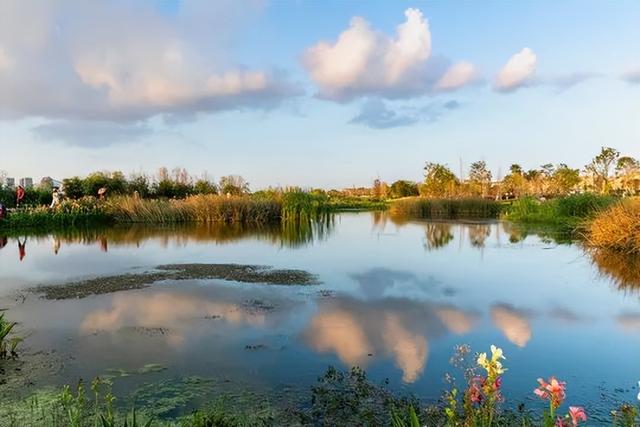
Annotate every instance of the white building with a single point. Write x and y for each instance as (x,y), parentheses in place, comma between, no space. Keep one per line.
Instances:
(26,182)
(9,182)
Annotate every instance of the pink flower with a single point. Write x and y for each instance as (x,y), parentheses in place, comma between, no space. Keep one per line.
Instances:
(560,422)
(498,383)
(553,390)
(577,414)
(475,389)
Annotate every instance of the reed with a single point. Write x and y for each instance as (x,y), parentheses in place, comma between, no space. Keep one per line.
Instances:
(617,228)
(566,212)
(420,207)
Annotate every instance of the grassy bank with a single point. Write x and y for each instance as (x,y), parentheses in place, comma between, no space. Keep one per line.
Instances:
(420,207)
(617,228)
(564,212)
(287,207)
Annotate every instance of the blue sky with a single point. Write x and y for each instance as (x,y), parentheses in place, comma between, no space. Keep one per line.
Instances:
(268,90)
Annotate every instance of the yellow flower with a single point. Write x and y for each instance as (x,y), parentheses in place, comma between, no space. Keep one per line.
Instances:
(482,360)
(496,353)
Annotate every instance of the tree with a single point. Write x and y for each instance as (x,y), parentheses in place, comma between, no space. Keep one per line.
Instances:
(627,165)
(379,189)
(628,174)
(479,178)
(139,184)
(234,185)
(73,187)
(514,183)
(204,186)
(564,179)
(439,181)
(600,168)
(402,188)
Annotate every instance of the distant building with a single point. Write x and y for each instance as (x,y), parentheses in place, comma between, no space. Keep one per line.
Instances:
(10,182)
(49,182)
(26,182)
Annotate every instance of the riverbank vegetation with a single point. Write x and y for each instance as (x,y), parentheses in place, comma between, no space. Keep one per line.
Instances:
(424,208)
(617,228)
(340,398)
(567,212)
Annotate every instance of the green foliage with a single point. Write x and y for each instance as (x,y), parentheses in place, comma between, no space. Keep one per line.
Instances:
(439,181)
(84,211)
(349,398)
(601,168)
(567,212)
(234,185)
(403,188)
(8,344)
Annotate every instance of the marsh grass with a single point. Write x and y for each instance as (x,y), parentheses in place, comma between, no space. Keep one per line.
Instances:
(424,208)
(570,212)
(617,228)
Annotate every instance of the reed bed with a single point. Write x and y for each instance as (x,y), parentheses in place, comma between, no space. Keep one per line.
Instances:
(617,228)
(420,207)
(567,212)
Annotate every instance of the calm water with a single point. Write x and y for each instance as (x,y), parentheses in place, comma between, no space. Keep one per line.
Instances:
(395,299)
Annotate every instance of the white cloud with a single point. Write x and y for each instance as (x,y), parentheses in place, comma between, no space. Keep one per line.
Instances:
(126,61)
(364,62)
(517,72)
(457,76)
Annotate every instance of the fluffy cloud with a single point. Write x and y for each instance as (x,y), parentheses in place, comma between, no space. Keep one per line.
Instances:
(364,62)
(457,76)
(517,72)
(632,76)
(122,61)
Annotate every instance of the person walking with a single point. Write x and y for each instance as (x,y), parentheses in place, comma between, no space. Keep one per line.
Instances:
(20,194)
(56,196)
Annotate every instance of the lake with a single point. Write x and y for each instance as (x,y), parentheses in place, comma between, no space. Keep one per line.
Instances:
(395,298)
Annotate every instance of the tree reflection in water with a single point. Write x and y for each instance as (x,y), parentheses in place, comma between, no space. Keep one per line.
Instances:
(437,235)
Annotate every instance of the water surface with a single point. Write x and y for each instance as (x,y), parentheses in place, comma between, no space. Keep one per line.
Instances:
(395,299)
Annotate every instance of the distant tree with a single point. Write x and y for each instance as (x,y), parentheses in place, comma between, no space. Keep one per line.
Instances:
(627,172)
(92,183)
(439,181)
(601,166)
(514,183)
(479,178)
(117,183)
(139,184)
(564,179)
(234,185)
(403,188)
(379,189)
(73,187)
(626,165)
(203,186)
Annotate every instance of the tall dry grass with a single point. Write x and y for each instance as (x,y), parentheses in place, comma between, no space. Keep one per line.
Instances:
(200,208)
(617,228)
(420,207)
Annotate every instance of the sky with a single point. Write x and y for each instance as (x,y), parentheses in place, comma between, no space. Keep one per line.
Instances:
(314,93)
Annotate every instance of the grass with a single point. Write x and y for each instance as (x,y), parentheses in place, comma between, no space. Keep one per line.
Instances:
(424,208)
(565,212)
(8,343)
(617,228)
(290,206)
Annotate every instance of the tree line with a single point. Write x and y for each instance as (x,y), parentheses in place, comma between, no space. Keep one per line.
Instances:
(608,173)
